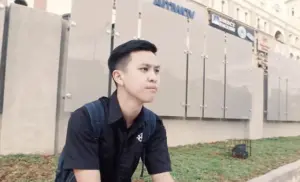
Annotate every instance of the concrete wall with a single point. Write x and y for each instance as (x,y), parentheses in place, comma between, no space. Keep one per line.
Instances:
(274,129)
(30,92)
(184,132)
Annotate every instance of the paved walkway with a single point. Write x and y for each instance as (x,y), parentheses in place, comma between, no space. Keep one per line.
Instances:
(286,173)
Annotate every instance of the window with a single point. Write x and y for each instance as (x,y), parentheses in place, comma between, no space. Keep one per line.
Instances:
(296,40)
(222,6)
(279,36)
(246,17)
(262,3)
(291,55)
(290,38)
(237,13)
(257,23)
(277,8)
(293,12)
(265,26)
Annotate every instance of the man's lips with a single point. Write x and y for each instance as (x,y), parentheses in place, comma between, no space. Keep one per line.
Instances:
(153,88)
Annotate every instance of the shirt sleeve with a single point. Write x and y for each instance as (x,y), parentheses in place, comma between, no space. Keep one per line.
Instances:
(81,148)
(157,158)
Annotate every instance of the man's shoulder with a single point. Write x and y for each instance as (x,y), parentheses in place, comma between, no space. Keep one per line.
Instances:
(157,117)
(81,114)
(83,109)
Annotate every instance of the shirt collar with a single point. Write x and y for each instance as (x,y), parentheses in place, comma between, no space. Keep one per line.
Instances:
(115,112)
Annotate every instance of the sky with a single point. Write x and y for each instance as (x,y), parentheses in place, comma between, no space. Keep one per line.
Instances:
(59,6)
(54,6)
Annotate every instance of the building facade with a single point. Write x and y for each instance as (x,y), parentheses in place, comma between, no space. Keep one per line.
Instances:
(277,18)
(54,6)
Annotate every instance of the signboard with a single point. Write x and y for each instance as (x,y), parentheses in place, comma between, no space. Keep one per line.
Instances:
(231,26)
(263,43)
(262,49)
(223,23)
(175,8)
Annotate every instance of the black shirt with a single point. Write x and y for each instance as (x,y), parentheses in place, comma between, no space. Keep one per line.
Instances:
(118,152)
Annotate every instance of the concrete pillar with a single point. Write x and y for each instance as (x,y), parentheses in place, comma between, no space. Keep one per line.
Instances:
(256,122)
(30,92)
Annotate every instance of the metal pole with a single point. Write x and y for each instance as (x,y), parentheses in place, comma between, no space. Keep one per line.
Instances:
(203,86)
(187,70)
(279,92)
(225,78)
(112,40)
(286,99)
(186,84)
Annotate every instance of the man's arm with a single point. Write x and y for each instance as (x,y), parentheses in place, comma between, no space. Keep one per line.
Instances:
(162,177)
(87,175)
(81,149)
(157,159)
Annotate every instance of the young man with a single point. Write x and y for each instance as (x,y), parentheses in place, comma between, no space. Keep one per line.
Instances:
(135,70)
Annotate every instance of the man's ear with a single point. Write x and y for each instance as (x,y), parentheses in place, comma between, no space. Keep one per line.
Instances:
(117,75)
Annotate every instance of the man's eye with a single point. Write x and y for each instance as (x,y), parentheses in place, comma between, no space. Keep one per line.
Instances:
(144,69)
(157,70)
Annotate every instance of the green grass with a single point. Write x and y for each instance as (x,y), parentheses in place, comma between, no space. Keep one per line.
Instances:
(202,162)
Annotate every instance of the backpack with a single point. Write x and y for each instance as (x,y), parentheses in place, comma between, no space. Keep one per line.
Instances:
(240,151)
(97,116)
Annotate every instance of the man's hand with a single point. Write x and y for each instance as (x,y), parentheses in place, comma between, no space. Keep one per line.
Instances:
(87,175)
(162,177)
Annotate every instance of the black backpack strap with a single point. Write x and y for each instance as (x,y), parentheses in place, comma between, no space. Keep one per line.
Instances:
(150,123)
(97,116)
(96,112)
(149,129)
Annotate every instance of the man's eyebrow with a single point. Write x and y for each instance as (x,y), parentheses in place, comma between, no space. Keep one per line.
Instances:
(151,65)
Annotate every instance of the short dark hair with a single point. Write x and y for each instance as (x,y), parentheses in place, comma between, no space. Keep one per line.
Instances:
(122,52)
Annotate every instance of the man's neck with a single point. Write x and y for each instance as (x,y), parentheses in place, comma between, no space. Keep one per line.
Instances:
(129,105)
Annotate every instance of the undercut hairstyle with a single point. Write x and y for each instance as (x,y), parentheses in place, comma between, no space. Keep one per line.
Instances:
(120,56)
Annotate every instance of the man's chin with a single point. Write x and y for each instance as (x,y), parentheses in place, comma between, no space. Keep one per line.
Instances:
(147,100)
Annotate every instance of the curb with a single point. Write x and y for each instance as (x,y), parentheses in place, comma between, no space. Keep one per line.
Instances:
(286,173)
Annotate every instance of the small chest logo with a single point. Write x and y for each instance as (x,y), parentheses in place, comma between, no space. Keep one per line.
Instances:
(140,137)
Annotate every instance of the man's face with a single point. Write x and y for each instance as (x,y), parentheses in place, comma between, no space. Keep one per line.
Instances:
(141,76)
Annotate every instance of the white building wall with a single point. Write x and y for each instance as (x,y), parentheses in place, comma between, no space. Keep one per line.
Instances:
(268,16)
(59,6)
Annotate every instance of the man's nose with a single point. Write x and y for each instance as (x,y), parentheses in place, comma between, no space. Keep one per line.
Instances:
(152,76)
